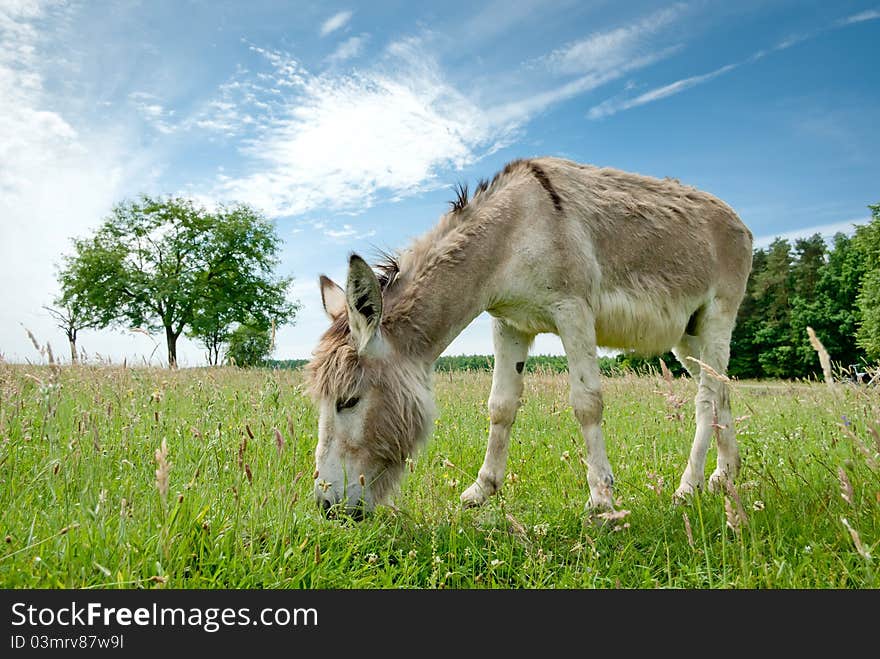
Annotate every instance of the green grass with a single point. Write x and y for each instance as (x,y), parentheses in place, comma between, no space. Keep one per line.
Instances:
(79,505)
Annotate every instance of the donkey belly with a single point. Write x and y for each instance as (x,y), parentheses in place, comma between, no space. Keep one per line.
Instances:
(646,326)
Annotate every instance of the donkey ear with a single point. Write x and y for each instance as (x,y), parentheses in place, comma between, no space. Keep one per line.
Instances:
(363,297)
(333,297)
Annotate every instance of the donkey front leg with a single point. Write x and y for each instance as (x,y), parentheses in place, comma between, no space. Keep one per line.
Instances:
(511,350)
(576,326)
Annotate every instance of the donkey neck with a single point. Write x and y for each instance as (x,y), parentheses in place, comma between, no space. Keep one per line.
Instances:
(446,280)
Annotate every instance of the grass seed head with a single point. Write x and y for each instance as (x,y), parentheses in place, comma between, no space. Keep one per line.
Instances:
(824,359)
(846,488)
(857,541)
(162,469)
(687,529)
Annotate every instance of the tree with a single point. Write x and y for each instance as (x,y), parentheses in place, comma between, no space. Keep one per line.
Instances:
(242,290)
(808,308)
(72,316)
(834,312)
(868,336)
(867,243)
(159,264)
(772,294)
(743,349)
(249,345)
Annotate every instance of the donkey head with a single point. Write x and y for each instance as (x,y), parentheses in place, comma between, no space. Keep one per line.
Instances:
(375,403)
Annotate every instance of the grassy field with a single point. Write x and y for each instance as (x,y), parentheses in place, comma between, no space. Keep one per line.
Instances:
(80,506)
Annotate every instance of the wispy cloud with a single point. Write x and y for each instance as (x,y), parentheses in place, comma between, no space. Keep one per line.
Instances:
(615,105)
(31,132)
(153,112)
(869,15)
(598,59)
(348,49)
(333,142)
(620,103)
(827,231)
(613,50)
(349,232)
(524,108)
(58,176)
(335,22)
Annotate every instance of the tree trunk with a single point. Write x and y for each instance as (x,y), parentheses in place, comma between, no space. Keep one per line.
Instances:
(71,339)
(171,340)
(218,346)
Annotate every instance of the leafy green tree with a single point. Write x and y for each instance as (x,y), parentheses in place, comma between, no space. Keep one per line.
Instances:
(837,289)
(809,260)
(868,336)
(159,263)
(867,243)
(249,345)
(808,307)
(772,294)
(744,361)
(242,289)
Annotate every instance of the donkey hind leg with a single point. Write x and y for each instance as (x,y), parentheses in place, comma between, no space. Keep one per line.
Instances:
(511,351)
(712,403)
(576,326)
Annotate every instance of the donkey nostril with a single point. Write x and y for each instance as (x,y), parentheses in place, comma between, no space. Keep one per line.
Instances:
(325,506)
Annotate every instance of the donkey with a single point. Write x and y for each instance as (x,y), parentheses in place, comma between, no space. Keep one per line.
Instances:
(598,256)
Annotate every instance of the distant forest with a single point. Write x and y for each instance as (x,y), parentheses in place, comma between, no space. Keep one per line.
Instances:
(833,289)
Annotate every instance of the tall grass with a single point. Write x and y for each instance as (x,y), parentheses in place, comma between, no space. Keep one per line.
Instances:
(137,477)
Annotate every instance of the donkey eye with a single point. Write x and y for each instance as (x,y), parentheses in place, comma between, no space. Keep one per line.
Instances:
(346,404)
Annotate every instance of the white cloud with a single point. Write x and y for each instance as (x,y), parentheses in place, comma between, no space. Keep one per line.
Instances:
(335,22)
(524,108)
(869,15)
(618,104)
(348,232)
(788,42)
(827,231)
(58,179)
(348,49)
(612,50)
(597,60)
(333,142)
(153,112)
(615,105)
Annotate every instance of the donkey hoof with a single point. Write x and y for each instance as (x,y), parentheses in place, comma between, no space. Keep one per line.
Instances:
(685,492)
(599,504)
(474,496)
(718,481)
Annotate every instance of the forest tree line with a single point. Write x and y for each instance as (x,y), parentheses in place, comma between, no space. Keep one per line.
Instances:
(835,289)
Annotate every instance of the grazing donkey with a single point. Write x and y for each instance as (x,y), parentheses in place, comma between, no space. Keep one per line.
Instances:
(598,256)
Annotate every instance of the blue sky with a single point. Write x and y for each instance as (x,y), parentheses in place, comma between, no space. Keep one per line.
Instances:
(348,123)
